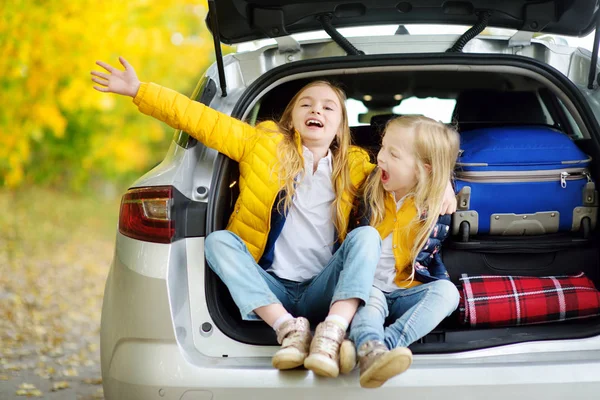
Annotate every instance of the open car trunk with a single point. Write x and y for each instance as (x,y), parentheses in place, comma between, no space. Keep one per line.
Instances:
(512,90)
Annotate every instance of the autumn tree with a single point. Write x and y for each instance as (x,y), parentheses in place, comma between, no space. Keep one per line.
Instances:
(54,128)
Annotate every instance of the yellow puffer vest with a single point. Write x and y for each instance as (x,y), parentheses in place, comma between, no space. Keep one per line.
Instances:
(404,234)
(254,148)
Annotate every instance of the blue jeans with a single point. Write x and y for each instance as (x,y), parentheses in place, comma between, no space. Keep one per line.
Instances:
(415,312)
(349,274)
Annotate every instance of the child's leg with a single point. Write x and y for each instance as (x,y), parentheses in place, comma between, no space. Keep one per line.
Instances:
(369,319)
(271,314)
(250,286)
(366,325)
(256,292)
(339,288)
(377,363)
(348,276)
(345,309)
(418,310)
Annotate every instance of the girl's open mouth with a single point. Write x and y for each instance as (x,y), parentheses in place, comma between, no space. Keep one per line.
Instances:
(314,124)
(384,176)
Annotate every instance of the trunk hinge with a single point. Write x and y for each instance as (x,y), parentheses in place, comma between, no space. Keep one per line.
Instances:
(348,47)
(287,44)
(483,20)
(214,26)
(594,60)
(520,39)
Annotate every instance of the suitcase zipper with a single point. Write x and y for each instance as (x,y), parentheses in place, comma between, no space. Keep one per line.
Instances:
(563,176)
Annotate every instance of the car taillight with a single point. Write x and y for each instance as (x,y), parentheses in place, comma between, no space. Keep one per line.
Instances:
(146,214)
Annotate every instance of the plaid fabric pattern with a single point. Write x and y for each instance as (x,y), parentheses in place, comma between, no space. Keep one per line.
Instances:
(496,301)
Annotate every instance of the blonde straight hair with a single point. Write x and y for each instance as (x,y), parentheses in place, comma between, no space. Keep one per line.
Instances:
(291,160)
(436,145)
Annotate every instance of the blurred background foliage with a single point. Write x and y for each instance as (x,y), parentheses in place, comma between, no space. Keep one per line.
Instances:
(67,153)
(55,130)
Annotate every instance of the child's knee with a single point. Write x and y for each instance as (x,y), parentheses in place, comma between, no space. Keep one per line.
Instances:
(217,240)
(378,301)
(448,292)
(367,235)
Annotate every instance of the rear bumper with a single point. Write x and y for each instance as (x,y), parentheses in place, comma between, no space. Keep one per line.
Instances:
(141,358)
(157,370)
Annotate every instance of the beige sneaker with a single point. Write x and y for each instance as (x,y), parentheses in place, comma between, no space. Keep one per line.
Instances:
(347,357)
(378,364)
(294,337)
(324,358)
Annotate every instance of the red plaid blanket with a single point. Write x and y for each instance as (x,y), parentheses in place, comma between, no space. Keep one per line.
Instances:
(494,301)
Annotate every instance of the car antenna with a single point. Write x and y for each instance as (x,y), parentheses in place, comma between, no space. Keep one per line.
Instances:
(213,24)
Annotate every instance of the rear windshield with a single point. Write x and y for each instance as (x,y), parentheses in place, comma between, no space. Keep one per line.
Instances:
(436,108)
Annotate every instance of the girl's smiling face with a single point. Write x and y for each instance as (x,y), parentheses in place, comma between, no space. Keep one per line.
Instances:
(317,116)
(397,161)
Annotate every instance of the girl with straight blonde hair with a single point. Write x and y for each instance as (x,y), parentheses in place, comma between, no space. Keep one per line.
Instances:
(403,200)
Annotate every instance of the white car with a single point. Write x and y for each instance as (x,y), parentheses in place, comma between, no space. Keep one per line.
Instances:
(169,327)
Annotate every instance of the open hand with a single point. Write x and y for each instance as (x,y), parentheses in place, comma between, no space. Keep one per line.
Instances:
(117,81)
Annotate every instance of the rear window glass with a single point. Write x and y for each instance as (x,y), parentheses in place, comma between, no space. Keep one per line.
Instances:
(432,107)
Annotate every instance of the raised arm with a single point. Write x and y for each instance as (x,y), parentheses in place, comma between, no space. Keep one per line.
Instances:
(219,131)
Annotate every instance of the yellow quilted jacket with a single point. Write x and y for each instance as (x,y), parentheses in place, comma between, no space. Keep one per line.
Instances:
(253,147)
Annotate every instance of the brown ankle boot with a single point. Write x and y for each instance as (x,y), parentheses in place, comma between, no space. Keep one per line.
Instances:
(294,337)
(324,358)
(378,364)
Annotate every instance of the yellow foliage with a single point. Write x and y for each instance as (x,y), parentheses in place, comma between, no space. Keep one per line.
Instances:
(47,50)
(14,176)
(48,115)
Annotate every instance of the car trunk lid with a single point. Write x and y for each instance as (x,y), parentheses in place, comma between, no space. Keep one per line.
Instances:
(244,20)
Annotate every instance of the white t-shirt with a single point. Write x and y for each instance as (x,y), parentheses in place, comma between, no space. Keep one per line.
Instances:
(386,268)
(305,244)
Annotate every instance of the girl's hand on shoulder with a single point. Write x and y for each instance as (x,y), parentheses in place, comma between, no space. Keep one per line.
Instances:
(449,201)
(116,81)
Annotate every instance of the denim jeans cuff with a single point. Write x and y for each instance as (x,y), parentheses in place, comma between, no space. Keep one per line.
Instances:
(248,313)
(364,296)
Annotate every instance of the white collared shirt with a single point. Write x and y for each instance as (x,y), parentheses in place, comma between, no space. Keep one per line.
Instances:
(386,268)
(305,244)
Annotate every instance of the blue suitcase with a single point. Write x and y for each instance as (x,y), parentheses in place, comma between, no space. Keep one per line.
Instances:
(522,180)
